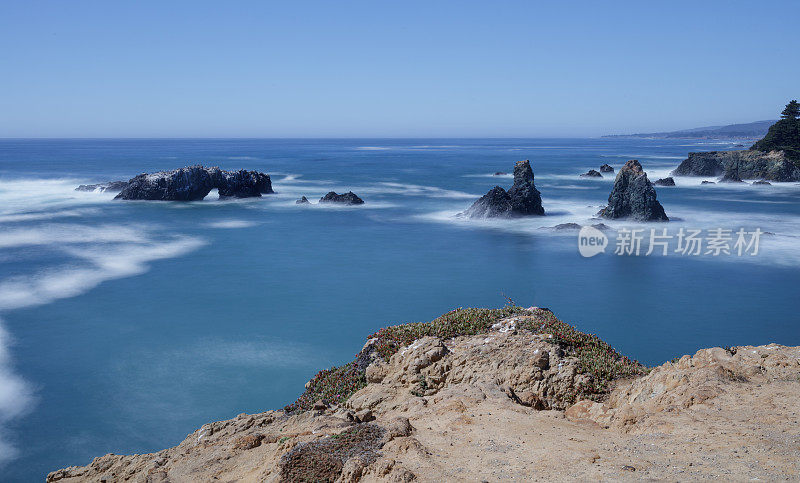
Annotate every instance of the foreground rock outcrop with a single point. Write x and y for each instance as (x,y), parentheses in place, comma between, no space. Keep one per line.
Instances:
(748,164)
(522,199)
(504,404)
(194,183)
(633,196)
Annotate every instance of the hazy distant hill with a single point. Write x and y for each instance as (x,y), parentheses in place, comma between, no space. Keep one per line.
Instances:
(750,130)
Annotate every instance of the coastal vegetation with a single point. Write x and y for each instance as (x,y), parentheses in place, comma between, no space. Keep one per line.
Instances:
(595,357)
(784,135)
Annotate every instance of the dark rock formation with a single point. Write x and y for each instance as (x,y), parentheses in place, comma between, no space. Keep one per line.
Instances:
(749,164)
(591,174)
(606,169)
(243,184)
(731,176)
(500,173)
(633,196)
(762,182)
(707,182)
(194,183)
(348,198)
(302,200)
(523,199)
(664,182)
(495,203)
(601,226)
(111,186)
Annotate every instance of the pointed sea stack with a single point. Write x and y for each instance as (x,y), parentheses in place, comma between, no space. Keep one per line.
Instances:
(633,196)
(523,199)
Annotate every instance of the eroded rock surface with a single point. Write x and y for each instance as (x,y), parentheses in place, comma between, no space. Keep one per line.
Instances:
(633,196)
(505,405)
(522,199)
(194,183)
(748,164)
(348,198)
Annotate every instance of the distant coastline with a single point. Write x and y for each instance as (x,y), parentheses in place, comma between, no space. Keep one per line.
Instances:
(748,131)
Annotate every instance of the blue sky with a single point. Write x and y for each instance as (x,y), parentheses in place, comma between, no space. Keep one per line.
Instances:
(391,69)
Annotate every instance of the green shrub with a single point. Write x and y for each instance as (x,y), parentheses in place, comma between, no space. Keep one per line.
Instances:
(595,357)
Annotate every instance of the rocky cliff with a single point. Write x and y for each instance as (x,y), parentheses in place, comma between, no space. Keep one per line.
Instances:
(194,183)
(748,164)
(491,395)
(633,196)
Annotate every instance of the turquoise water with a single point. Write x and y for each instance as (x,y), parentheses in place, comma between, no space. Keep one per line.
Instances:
(127,325)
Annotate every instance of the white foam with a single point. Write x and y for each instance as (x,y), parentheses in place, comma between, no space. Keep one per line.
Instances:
(62,234)
(46,215)
(16,397)
(24,195)
(229,224)
(113,251)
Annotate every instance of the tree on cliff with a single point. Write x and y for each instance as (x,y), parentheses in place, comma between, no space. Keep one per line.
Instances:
(784,135)
(792,110)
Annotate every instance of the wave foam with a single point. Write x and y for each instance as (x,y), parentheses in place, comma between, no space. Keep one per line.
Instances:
(227,224)
(16,397)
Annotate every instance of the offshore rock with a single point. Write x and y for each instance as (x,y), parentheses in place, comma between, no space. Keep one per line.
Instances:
(633,196)
(348,198)
(523,199)
(194,183)
(592,174)
(669,181)
(606,168)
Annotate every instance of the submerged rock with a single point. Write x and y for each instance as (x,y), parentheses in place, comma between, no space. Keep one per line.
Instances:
(772,166)
(633,196)
(194,183)
(500,173)
(707,182)
(567,226)
(762,182)
(591,174)
(731,176)
(302,200)
(669,181)
(111,186)
(348,198)
(606,168)
(523,199)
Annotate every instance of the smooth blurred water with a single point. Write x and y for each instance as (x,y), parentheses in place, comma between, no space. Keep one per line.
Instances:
(127,325)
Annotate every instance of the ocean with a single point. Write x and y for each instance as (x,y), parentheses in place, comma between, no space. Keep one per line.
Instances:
(124,326)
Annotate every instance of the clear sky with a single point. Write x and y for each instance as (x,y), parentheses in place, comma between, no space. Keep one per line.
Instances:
(380,68)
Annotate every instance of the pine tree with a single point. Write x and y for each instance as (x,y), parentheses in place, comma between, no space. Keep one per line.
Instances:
(792,110)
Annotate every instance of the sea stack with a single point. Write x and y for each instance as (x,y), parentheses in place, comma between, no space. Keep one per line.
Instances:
(194,183)
(523,199)
(633,196)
